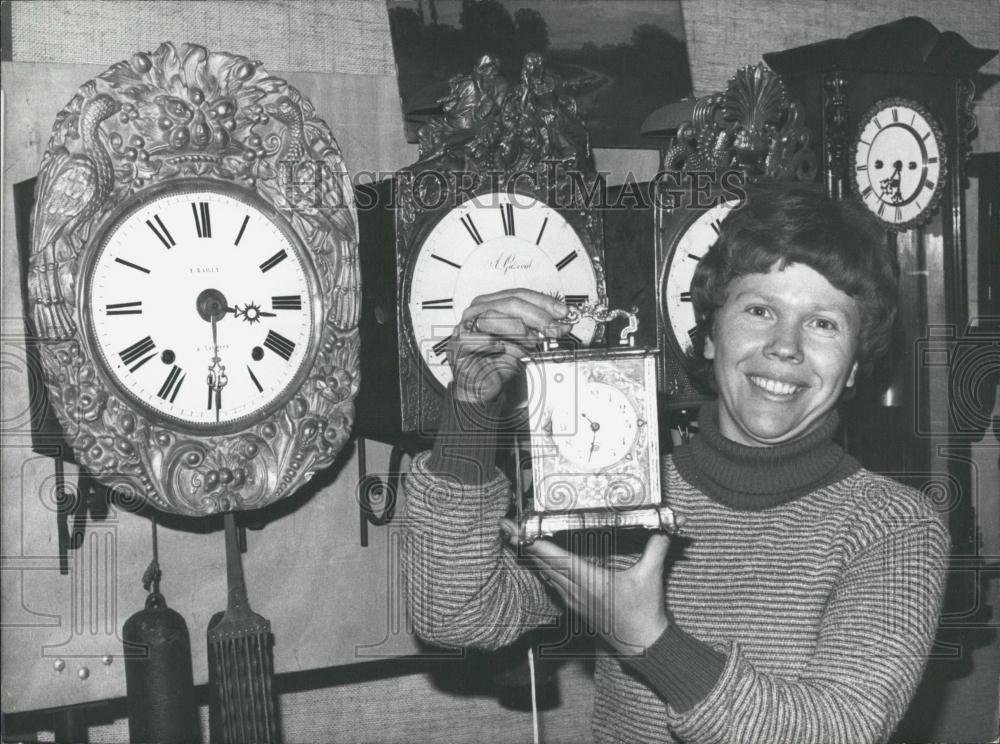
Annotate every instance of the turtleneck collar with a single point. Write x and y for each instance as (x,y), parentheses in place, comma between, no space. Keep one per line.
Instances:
(756,478)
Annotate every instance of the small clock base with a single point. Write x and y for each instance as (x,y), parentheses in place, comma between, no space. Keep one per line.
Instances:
(658,517)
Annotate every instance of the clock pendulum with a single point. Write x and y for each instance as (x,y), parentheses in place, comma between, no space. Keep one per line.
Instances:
(593,425)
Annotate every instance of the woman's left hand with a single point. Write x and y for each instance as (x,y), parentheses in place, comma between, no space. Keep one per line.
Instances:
(626,608)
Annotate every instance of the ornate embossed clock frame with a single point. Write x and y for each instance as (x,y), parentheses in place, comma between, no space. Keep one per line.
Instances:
(493,146)
(215,128)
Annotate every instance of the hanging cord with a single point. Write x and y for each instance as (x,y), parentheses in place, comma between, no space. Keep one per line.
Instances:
(151,576)
(518,499)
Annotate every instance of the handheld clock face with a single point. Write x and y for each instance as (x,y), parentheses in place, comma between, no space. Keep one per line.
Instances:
(678,271)
(488,243)
(596,429)
(898,162)
(200,304)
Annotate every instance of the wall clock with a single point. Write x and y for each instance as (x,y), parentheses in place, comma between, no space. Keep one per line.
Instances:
(900,162)
(493,241)
(682,242)
(751,132)
(194,283)
(498,199)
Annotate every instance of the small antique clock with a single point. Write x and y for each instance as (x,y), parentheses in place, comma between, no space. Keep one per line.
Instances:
(900,162)
(595,455)
(490,242)
(193,282)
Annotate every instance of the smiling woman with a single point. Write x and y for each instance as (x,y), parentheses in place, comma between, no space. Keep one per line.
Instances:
(803,602)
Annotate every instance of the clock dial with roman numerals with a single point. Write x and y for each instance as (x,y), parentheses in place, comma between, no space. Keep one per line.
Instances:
(675,306)
(899,166)
(171,265)
(491,242)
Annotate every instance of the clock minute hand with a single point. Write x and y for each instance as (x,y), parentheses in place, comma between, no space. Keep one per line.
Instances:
(216,373)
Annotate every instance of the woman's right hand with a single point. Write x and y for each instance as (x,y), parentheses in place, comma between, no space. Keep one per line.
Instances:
(496,331)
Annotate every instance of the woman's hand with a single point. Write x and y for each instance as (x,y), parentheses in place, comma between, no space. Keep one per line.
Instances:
(626,608)
(495,332)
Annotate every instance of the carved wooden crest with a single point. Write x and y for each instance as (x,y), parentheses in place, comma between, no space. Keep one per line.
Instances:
(754,127)
(184,115)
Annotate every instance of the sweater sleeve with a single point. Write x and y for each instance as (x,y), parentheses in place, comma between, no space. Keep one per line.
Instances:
(873,643)
(464,586)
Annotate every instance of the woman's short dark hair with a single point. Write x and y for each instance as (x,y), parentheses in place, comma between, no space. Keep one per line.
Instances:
(782,225)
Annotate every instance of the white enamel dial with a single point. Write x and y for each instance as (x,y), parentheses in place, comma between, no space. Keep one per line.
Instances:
(488,243)
(596,428)
(898,160)
(675,282)
(161,266)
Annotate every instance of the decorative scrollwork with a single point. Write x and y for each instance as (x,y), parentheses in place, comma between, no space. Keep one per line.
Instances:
(754,127)
(183,112)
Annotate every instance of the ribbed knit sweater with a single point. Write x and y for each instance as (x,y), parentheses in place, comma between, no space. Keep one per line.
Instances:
(803,599)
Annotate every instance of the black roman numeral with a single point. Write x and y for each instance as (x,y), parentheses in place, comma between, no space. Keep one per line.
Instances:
(861,168)
(924,138)
(214,398)
(125,308)
(279,345)
(932,160)
(693,256)
(572,299)
(693,333)
(445,304)
(899,215)
(507,213)
(202,219)
(866,192)
(717,226)
(131,265)
(446,261)
(286,302)
(163,233)
(566,261)
(239,235)
(273,261)
(928,184)
(171,386)
(470,226)
(441,347)
(133,353)
(881,209)
(895,115)
(538,240)
(685,297)
(256,382)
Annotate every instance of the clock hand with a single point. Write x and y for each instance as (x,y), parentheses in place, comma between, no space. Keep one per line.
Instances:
(251,312)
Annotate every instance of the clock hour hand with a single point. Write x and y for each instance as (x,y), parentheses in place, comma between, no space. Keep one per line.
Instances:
(251,312)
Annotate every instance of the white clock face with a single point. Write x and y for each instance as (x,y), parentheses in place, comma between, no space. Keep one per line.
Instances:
(489,243)
(596,428)
(160,275)
(675,283)
(897,162)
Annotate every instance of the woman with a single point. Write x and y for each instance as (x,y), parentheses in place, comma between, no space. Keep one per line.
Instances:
(804,600)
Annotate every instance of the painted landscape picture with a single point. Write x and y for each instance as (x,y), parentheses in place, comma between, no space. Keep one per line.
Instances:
(620,59)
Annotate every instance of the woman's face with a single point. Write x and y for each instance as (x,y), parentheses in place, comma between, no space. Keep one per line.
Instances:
(783,348)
